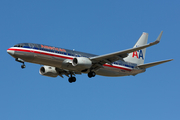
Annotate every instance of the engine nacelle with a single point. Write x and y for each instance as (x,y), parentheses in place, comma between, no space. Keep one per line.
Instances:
(48,71)
(82,63)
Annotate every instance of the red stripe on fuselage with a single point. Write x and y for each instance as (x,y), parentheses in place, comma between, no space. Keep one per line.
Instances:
(60,56)
(38,52)
(14,49)
(118,67)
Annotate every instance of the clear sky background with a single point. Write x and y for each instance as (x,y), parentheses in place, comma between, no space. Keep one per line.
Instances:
(97,27)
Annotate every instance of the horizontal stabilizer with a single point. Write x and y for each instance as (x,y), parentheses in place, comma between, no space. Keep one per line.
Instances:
(144,66)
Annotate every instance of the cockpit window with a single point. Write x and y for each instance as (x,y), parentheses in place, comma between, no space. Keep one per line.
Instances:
(18,45)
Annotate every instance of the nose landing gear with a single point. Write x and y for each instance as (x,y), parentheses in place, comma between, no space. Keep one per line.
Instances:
(21,61)
(23,66)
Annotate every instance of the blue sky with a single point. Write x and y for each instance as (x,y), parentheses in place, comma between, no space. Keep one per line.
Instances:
(97,27)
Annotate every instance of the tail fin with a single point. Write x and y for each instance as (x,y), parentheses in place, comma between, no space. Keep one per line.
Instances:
(138,56)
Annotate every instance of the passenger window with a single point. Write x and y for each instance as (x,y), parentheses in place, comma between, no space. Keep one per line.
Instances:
(69,54)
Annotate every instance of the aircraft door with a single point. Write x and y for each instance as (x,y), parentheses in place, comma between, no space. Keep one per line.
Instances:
(31,54)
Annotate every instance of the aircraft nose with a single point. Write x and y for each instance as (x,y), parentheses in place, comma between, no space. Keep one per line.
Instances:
(11,52)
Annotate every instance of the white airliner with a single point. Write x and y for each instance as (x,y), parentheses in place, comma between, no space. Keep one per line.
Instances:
(59,61)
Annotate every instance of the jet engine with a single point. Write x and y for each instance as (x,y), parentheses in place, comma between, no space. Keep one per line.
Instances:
(82,63)
(48,71)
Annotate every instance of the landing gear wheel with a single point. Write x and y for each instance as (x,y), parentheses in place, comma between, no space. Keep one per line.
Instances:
(23,66)
(91,74)
(72,79)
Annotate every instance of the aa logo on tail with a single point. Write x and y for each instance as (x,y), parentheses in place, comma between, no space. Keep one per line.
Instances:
(138,54)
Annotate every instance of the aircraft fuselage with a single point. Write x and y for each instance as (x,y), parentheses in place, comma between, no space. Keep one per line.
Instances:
(59,57)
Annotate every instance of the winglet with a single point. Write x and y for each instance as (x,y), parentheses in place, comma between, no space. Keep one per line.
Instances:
(159,37)
(157,40)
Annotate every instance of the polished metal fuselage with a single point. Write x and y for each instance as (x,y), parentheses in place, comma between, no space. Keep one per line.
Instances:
(64,62)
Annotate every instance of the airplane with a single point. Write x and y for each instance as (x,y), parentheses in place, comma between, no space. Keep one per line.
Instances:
(60,61)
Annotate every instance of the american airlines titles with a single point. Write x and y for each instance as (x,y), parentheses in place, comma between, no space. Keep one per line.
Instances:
(53,48)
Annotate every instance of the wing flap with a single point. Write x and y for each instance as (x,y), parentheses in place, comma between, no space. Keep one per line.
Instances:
(62,72)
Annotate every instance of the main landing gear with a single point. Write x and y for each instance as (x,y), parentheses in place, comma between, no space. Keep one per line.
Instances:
(21,61)
(72,79)
(91,74)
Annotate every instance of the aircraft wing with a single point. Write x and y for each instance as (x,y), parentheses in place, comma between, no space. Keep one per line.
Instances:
(98,61)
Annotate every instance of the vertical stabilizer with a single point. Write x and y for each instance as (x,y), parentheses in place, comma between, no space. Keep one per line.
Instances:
(138,56)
